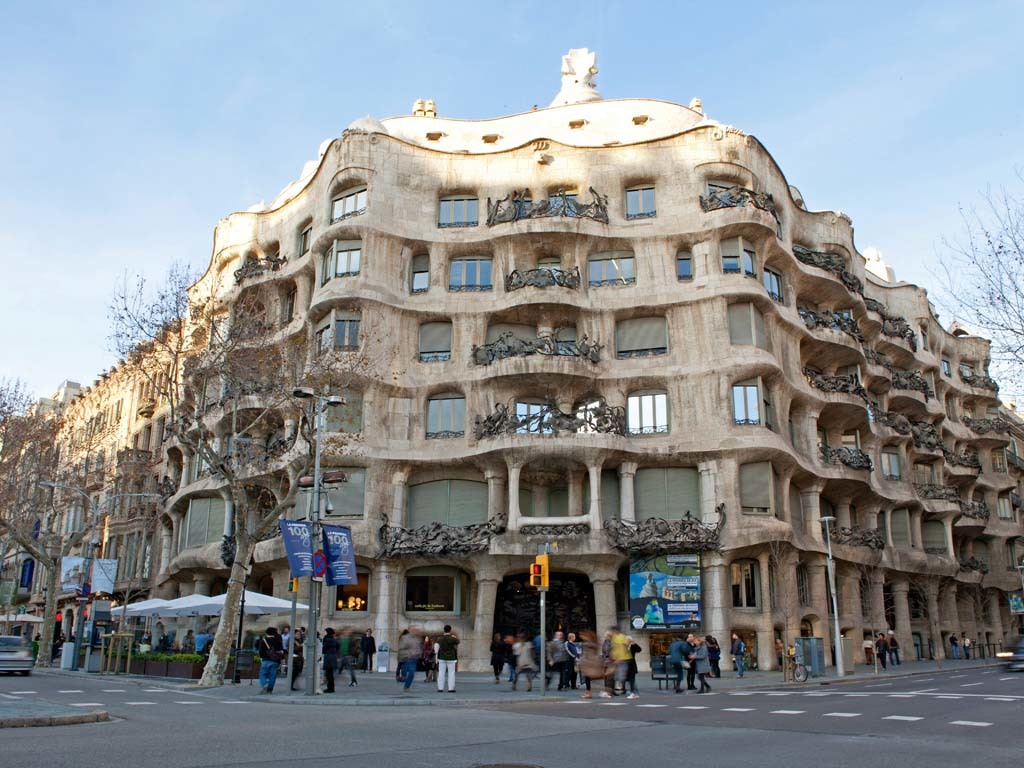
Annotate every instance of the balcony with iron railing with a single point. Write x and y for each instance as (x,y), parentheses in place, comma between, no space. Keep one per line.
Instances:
(979,381)
(847,384)
(995,426)
(854,458)
(548,419)
(543,277)
(741,197)
(518,206)
(830,262)
(834,321)
(546,344)
(935,492)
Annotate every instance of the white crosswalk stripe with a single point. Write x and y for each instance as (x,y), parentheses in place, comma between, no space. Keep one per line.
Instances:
(842,714)
(974,723)
(87,704)
(968,685)
(113,690)
(8,696)
(190,702)
(738,709)
(692,707)
(653,706)
(70,691)
(900,696)
(788,711)
(140,703)
(23,693)
(905,718)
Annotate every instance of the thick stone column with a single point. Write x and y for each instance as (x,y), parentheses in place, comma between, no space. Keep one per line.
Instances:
(878,622)
(514,469)
(496,508)
(820,602)
(810,502)
(483,621)
(916,538)
(888,530)
(201,584)
(708,473)
(843,513)
(399,498)
(995,611)
(934,627)
(901,604)
(850,613)
(627,508)
(766,632)
(576,479)
(606,612)
(947,527)
(385,594)
(716,593)
(595,497)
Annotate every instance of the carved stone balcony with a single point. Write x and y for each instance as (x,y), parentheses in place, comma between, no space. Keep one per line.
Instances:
(872,538)
(976,510)
(894,421)
(964,458)
(517,206)
(436,539)
(875,357)
(257,267)
(830,262)
(831,320)
(937,492)
(655,536)
(974,564)
(509,345)
(543,277)
(551,420)
(147,408)
(982,382)
(911,380)
(846,384)
(926,436)
(739,197)
(854,458)
(985,426)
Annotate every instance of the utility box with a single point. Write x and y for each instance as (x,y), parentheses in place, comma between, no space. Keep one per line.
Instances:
(811,651)
(67,656)
(848,650)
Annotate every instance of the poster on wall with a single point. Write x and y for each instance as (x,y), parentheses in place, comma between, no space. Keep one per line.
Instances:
(664,592)
(1016,602)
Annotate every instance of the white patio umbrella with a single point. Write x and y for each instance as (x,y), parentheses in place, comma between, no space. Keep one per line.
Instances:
(190,605)
(22,618)
(142,608)
(255,604)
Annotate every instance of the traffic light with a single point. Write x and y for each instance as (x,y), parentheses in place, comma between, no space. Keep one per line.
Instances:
(293,585)
(539,572)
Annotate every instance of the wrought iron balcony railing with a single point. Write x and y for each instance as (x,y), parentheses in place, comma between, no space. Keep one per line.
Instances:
(435,357)
(984,426)
(983,382)
(911,380)
(926,436)
(517,205)
(977,510)
(543,277)
(974,564)
(510,345)
(964,458)
(894,421)
(872,538)
(549,419)
(740,197)
(937,492)
(847,384)
(854,458)
(257,267)
(831,320)
(830,262)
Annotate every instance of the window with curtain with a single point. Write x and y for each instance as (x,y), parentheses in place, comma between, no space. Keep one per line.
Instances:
(435,342)
(1004,508)
(746,402)
(351,202)
(611,268)
(446,416)
(449,502)
(419,274)
(348,417)
(471,273)
(203,523)
(640,202)
(746,325)
(756,488)
(435,589)
(999,460)
(892,468)
(641,337)
(745,576)
(668,493)
(647,413)
(458,211)
(923,473)
(684,265)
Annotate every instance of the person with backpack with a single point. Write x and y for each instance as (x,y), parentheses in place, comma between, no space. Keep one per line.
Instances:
(271,653)
(738,651)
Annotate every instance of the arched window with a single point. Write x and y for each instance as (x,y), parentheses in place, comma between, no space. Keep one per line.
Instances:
(746,584)
(435,589)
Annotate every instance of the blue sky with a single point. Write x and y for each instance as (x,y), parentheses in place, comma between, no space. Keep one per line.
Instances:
(128,129)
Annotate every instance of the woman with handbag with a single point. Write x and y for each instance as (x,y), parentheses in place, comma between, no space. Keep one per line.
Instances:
(271,653)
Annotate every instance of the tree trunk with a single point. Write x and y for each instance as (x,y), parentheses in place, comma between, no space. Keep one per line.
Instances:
(223,640)
(45,657)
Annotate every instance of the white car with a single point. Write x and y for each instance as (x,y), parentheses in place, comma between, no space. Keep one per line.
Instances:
(15,655)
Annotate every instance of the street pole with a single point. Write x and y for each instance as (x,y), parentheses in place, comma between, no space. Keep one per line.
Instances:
(1020,570)
(313,677)
(291,642)
(840,671)
(236,678)
(543,643)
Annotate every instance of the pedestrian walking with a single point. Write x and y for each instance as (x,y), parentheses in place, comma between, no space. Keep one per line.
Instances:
(881,649)
(691,670)
(525,665)
(271,654)
(954,645)
(631,668)
(738,651)
(968,643)
(894,648)
(559,657)
(368,646)
(349,648)
(510,656)
(428,658)
(700,661)
(298,662)
(399,671)
(410,649)
(715,655)
(572,650)
(447,652)
(497,656)
(678,650)
(331,650)
(591,661)
(619,658)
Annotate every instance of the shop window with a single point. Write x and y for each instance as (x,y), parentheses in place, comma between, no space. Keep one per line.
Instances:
(746,584)
(353,598)
(435,590)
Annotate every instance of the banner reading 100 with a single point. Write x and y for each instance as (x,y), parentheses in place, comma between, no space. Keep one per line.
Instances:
(664,592)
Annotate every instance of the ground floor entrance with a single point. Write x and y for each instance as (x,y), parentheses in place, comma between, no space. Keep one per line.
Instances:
(570,605)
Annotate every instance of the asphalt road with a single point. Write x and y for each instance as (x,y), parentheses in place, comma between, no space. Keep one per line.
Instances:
(968,717)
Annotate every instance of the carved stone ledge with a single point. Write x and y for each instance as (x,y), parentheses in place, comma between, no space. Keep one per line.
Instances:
(509,345)
(871,538)
(437,539)
(517,206)
(830,262)
(551,420)
(555,531)
(656,536)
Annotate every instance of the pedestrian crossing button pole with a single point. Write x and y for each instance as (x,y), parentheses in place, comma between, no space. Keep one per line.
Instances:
(539,579)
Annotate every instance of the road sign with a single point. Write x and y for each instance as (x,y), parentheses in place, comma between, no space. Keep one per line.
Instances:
(319,563)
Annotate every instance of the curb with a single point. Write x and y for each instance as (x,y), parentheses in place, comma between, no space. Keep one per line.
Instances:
(38,721)
(854,679)
(324,701)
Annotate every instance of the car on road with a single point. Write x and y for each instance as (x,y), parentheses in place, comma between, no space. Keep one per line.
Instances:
(15,655)
(1013,655)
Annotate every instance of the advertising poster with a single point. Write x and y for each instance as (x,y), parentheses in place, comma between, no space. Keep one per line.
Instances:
(341,559)
(103,574)
(1016,602)
(298,544)
(71,574)
(664,592)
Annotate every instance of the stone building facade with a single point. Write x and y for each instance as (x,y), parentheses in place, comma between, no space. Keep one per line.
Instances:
(611,325)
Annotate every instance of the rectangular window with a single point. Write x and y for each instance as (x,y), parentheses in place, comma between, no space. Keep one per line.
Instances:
(641,337)
(647,414)
(353,598)
(731,253)
(851,440)
(420,276)
(457,211)
(947,370)
(305,240)
(891,467)
(446,417)
(998,460)
(966,370)
(349,203)
(901,528)
(346,332)
(923,474)
(346,258)
(288,307)
(667,493)
(640,202)
(527,412)
(746,401)
(773,284)
(746,325)
(435,342)
(746,584)
(1003,507)
(749,263)
(756,488)
(470,274)
(684,265)
(323,340)
(611,268)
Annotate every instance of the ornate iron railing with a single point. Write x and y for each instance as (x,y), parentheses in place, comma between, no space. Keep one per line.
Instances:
(445,434)
(133,456)
(847,384)
(832,320)
(510,345)
(854,458)
(937,492)
(977,510)
(740,197)
(657,536)
(984,426)
(963,458)
(436,539)
(983,382)
(936,551)
(830,262)
(926,436)
(911,380)
(257,267)
(871,538)
(555,531)
(517,205)
(894,421)
(875,357)
(631,353)
(974,564)
(435,357)
(543,277)
(549,419)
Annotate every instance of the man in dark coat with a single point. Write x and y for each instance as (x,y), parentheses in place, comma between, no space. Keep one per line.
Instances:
(369,648)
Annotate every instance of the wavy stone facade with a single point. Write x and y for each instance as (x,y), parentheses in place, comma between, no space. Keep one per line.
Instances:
(591,316)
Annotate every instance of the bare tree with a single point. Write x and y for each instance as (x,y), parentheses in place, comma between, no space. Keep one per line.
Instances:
(782,558)
(982,275)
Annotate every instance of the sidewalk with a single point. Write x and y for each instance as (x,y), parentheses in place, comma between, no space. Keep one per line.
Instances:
(30,713)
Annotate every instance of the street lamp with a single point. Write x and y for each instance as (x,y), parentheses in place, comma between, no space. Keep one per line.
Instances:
(94,544)
(1020,570)
(321,402)
(840,671)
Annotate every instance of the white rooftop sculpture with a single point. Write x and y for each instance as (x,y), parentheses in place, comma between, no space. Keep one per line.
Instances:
(579,66)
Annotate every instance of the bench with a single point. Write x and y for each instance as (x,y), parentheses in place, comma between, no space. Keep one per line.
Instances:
(662,671)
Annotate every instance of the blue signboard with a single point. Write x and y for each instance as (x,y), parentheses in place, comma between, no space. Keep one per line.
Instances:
(664,592)
(298,543)
(341,558)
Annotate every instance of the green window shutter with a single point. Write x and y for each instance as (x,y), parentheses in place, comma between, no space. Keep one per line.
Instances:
(558,502)
(650,493)
(934,534)
(428,503)
(215,525)
(198,520)
(682,492)
(756,485)
(436,337)
(525,501)
(347,498)
(523,332)
(467,502)
(641,333)
(740,329)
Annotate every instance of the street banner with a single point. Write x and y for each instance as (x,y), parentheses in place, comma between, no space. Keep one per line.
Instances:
(71,574)
(104,572)
(298,544)
(664,592)
(341,558)
(1016,602)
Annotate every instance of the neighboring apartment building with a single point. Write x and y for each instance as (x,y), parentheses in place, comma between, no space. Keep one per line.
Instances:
(611,325)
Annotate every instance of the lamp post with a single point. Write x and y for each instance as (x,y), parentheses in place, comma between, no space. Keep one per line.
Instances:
(840,671)
(1020,570)
(321,402)
(94,544)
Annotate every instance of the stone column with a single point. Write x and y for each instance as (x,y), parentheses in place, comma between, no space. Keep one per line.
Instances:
(850,609)
(901,603)
(708,473)
(627,508)
(916,538)
(399,498)
(810,502)
(947,527)
(385,594)
(576,480)
(877,588)
(496,508)
(483,621)
(888,532)
(843,513)
(766,633)
(606,612)
(995,610)
(595,497)
(175,534)
(716,593)
(514,468)
(869,519)
(820,601)
(201,584)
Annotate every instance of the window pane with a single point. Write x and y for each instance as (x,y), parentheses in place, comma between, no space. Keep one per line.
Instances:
(660,411)
(648,200)
(420,281)
(684,267)
(471,210)
(456,275)
(632,202)
(596,271)
(470,269)
(485,272)
(739,404)
(752,399)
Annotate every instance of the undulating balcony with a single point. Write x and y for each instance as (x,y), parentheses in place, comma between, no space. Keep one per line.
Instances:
(833,321)
(830,262)
(934,492)
(550,420)
(854,458)
(847,384)
(517,206)
(543,277)
(547,344)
